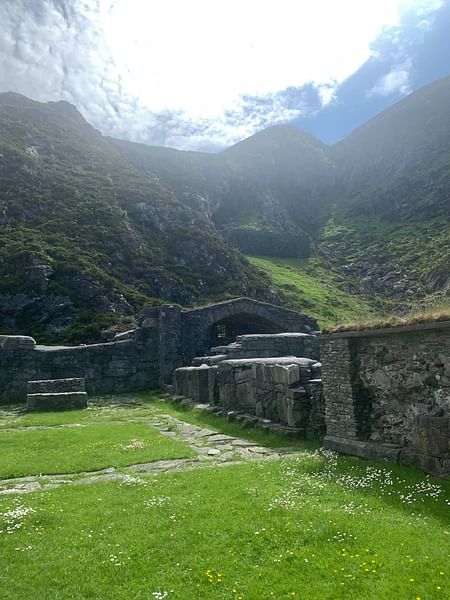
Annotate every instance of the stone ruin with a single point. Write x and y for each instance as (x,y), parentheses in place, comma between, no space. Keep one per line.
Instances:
(381,394)
(56,394)
(270,380)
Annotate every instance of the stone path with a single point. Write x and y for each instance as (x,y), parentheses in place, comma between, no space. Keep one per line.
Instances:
(211,447)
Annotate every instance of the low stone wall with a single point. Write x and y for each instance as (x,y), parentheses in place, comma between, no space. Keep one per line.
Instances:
(387,394)
(283,390)
(122,366)
(196,383)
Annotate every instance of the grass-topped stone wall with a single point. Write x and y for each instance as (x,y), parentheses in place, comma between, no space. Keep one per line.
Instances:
(387,394)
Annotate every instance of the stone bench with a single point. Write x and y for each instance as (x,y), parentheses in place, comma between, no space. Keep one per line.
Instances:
(56,394)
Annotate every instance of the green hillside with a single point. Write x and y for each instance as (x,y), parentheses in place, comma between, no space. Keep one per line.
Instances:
(310,288)
(92,229)
(88,239)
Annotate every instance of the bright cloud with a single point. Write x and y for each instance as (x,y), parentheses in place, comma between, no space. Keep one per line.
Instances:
(395,82)
(192,73)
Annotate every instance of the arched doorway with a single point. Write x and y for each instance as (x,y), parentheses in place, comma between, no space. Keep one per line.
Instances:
(226,330)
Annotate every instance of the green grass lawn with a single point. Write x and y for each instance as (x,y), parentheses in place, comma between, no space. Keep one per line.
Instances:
(307,528)
(311,526)
(84,448)
(202,418)
(95,413)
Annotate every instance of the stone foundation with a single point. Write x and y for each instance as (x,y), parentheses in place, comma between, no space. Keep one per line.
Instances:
(283,390)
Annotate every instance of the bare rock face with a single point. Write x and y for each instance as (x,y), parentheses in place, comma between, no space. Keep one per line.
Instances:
(39,275)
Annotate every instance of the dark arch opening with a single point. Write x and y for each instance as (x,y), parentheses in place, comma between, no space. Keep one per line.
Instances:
(225,331)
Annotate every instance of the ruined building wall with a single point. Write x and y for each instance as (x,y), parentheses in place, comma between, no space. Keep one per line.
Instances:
(387,394)
(121,366)
(141,359)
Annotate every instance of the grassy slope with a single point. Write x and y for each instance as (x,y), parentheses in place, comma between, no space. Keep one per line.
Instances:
(310,288)
(420,249)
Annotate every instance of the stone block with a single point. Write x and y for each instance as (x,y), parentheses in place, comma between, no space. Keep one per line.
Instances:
(363,449)
(56,401)
(431,435)
(243,374)
(54,386)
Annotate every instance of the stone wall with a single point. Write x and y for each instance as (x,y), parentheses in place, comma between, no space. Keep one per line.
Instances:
(284,391)
(264,345)
(121,366)
(196,323)
(144,358)
(387,394)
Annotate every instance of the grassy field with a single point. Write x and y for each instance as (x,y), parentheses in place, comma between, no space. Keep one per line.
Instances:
(311,526)
(206,419)
(311,289)
(83,448)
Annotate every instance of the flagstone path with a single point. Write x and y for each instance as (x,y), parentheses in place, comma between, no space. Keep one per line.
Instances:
(211,447)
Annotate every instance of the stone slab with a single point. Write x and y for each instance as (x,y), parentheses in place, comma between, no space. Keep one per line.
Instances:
(53,386)
(363,449)
(60,401)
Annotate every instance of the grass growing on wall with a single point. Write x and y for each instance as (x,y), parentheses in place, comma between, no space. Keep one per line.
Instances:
(439,313)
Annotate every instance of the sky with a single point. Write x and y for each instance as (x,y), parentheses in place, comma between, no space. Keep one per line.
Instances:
(204,74)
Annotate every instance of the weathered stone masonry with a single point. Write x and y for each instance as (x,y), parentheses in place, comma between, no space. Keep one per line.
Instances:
(145,358)
(387,394)
(270,380)
(126,365)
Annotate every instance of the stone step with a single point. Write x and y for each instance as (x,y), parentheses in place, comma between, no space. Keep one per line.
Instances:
(229,349)
(208,360)
(56,401)
(55,386)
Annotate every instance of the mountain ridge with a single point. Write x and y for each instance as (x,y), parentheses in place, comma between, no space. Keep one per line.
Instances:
(93,228)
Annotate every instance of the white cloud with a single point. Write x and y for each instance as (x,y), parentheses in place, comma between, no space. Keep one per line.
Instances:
(190,73)
(397,81)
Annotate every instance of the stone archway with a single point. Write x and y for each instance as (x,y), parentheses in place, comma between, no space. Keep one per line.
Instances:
(226,330)
(218,324)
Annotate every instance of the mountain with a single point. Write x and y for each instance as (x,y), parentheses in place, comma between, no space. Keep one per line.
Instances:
(279,185)
(87,238)
(389,230)
(398,164)
(93,228)
(262,193)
